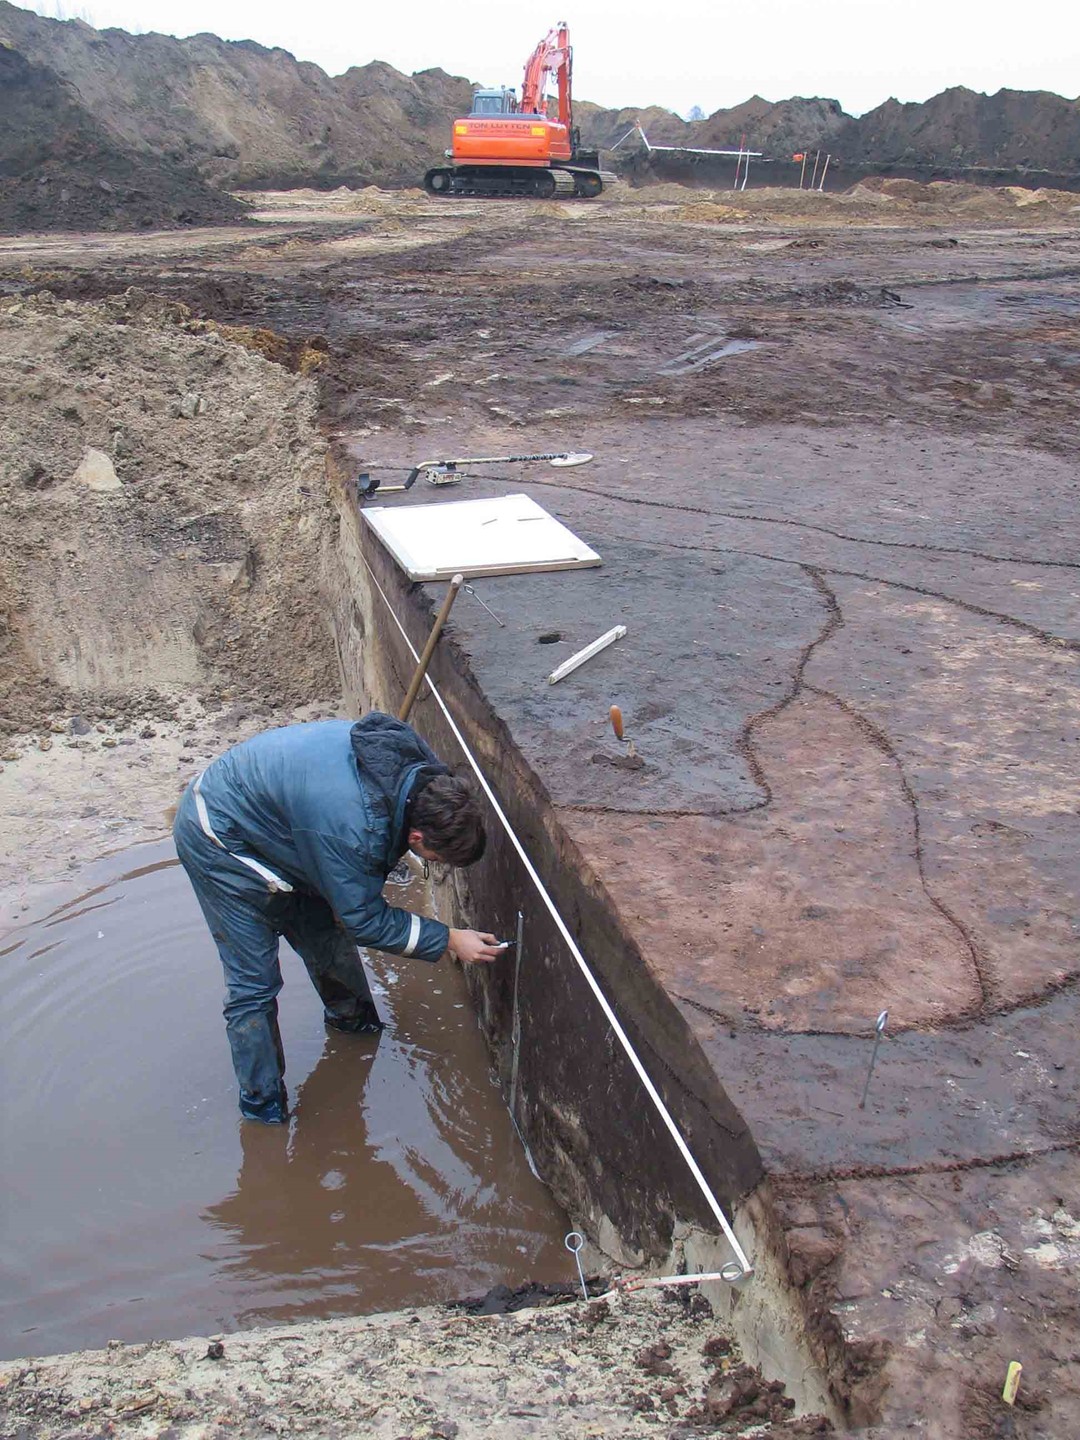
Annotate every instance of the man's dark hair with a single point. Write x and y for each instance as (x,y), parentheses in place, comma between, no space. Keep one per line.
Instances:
(447,814)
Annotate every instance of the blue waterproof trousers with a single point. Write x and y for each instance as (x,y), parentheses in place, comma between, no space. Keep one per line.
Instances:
(246,918)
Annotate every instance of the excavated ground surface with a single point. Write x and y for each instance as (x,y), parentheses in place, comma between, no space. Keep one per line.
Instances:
(629,1367)
(845,552)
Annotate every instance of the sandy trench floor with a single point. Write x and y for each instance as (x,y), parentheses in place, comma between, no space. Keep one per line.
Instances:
(413,330)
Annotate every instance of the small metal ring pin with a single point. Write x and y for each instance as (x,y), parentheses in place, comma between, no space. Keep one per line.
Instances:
(575,1250)
(471,590)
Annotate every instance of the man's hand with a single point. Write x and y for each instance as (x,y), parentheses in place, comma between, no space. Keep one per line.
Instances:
(474,947)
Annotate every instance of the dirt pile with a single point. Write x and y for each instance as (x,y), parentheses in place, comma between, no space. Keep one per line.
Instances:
(162,499)
(958,129)
(60,170)
(946,198)
(601,129)
(243,115)
(778,129)
(1014,129)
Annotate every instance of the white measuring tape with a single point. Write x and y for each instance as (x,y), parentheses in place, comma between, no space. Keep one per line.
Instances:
(742,1263)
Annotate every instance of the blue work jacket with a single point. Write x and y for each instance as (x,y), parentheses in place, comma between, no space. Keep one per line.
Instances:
(321,807)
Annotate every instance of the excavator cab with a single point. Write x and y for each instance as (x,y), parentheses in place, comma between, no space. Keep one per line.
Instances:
(494,102)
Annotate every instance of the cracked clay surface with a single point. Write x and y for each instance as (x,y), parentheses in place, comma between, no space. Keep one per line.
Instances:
(847,563)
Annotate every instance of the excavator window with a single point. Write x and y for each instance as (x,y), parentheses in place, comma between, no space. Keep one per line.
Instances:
(492,102)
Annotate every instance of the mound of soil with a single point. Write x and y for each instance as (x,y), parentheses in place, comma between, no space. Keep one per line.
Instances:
(1014,129)
(60,170)
(957,131)
(977,202)
(162,501)
(242,115)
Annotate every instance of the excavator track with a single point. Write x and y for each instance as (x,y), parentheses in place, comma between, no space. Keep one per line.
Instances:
(503,182)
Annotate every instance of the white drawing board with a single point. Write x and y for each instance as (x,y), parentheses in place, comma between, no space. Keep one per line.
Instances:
(507,535)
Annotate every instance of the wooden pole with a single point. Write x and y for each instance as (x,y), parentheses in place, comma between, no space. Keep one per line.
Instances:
(429,649)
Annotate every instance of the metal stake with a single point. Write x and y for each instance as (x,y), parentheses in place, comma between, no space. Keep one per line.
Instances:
(515,1021)
(471,590)
(879,1030)
(573,1242)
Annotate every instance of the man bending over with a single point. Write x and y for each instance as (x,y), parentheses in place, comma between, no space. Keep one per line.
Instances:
(293,833)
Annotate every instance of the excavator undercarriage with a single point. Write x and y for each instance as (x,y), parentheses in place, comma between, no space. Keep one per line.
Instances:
(582,179)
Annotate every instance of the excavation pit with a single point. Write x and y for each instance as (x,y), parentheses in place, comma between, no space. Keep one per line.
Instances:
(846,568)
(142,1208)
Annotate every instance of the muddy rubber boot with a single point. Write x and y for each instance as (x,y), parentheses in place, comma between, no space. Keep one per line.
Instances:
(274,1111)
(365,1020)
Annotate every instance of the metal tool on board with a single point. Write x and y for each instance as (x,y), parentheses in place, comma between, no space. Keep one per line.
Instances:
(445,472)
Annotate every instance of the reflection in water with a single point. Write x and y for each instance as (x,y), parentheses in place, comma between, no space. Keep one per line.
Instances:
(374,1186)
(398,1181)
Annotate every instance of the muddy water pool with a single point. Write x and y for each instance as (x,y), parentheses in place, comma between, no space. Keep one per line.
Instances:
(137,1205)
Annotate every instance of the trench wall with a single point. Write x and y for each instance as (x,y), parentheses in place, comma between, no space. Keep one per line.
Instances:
(591,1130)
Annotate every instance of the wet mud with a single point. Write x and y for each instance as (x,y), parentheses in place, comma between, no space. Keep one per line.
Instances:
(139,1206)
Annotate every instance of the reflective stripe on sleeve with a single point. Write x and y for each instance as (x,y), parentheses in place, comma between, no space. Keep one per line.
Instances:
(414,935)
(263,871)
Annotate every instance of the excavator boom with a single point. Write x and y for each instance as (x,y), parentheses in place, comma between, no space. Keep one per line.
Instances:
(552,56)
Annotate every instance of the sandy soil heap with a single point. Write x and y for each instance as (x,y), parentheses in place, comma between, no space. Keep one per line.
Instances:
(161,496)
(243,115)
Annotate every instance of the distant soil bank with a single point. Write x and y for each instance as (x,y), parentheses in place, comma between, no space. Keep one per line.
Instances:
(162,120)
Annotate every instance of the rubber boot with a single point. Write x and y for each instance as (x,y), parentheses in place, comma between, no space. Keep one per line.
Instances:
(364,1022)
(274,1111)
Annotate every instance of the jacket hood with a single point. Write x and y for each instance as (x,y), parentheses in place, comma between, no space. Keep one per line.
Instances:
(391,758)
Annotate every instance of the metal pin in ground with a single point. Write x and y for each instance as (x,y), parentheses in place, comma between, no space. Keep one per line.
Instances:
(471,590)
(879,1030)
(574,1243)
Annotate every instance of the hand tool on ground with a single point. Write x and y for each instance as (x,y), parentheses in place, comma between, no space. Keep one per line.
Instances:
(429,649)
(444,472)
(731,1274)
(1012,1382)
(617,726)
(879,1030)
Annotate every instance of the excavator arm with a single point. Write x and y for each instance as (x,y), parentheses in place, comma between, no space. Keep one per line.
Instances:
(553,56)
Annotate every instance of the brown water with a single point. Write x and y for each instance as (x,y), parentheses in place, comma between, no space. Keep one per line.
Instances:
(136,1203)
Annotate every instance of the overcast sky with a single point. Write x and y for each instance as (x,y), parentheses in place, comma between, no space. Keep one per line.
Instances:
(678,54)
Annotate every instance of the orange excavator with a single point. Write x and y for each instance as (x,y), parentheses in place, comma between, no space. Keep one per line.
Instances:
(509,147)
